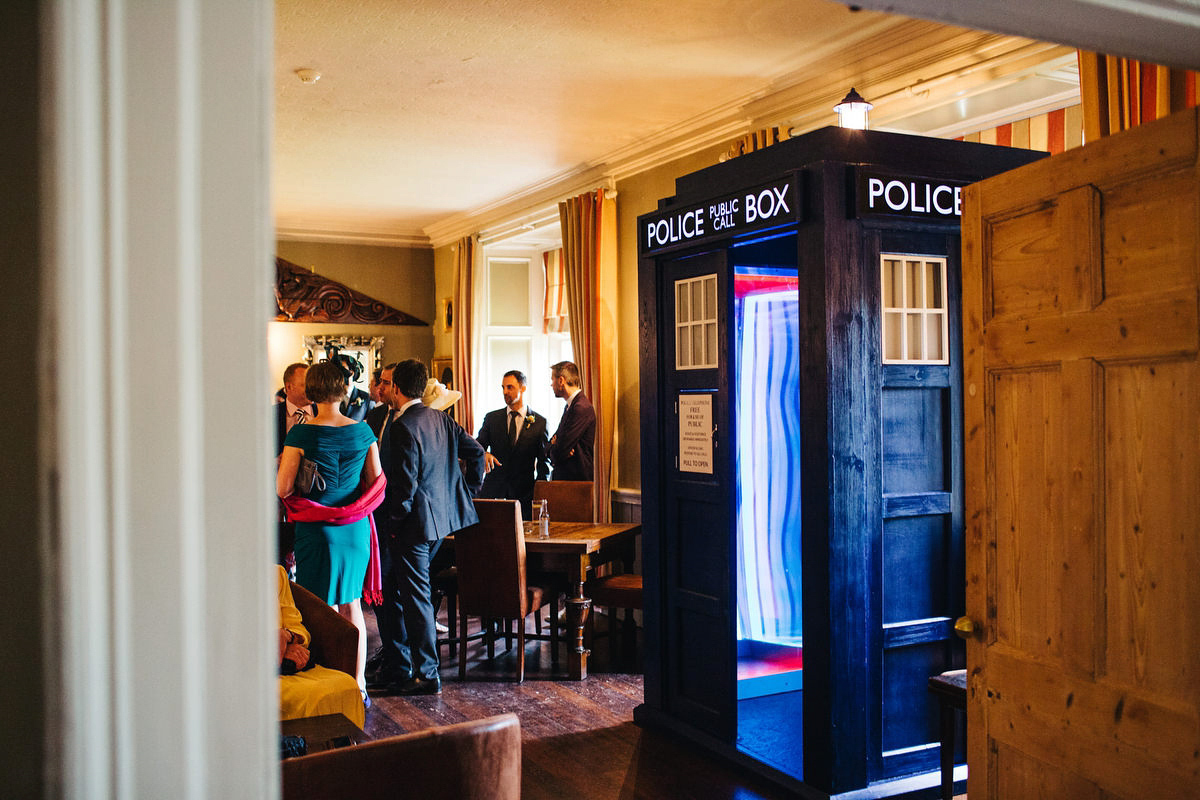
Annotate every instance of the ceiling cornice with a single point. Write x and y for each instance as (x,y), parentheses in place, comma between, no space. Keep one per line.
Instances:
(533,200)
(300,233)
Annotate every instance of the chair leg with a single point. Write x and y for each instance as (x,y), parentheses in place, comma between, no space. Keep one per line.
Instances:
(553,624)
(462,645)
(452,620)
(537,622)
(491,638)
(521,652)
(438,595)
(628,636)
(589,629)
(630,640)
(508,637)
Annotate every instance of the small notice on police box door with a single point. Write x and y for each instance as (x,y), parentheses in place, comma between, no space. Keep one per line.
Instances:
(695,433)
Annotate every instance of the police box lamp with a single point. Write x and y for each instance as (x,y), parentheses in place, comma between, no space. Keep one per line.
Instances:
(852,111)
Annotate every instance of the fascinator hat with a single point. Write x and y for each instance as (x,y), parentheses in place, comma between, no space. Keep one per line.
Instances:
(438,397)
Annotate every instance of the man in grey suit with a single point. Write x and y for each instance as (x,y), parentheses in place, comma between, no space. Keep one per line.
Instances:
(428,498)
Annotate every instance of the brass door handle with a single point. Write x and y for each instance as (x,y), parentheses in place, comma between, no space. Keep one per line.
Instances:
(964,627)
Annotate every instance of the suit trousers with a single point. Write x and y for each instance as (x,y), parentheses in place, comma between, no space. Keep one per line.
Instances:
(406,618)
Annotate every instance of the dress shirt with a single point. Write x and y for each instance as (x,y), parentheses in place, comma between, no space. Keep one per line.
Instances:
(291,414)
(520,411)
(406,407)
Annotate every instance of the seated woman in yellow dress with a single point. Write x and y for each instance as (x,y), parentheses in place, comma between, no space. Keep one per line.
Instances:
(312,690)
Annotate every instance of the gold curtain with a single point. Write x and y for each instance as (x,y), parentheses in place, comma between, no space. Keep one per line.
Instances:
(1120,93)
(464,300)
(554,304)
(589,233)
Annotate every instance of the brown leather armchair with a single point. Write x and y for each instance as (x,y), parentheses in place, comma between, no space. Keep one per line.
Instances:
(334,638)
(475,760)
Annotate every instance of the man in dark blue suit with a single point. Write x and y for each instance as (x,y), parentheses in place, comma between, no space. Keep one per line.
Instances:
(572,446)
(428,498)
(515,437)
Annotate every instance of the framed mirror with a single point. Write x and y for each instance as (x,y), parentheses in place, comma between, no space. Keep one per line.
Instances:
(367,349)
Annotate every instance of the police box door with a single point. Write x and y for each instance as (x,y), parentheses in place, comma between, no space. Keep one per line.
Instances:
(695,299)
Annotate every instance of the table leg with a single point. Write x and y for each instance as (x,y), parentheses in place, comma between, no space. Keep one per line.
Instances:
(578,608)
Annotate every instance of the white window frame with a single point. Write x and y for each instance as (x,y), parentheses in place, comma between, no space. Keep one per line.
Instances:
(543,349)
(688,323)
(913,317)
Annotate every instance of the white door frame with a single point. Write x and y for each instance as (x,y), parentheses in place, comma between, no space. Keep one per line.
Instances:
(157,275)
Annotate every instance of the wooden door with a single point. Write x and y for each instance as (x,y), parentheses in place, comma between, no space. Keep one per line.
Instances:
(697,541)
(918,562)
(1082,418)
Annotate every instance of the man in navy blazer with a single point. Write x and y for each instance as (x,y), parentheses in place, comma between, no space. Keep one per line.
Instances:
(428,497)
(515,437)
(573,443)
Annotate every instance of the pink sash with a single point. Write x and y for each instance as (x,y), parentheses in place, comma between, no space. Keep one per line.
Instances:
(301,509)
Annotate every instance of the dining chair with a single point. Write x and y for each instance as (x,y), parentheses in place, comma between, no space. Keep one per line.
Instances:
(444,583)
(492,577)
(613,592)
(570,501)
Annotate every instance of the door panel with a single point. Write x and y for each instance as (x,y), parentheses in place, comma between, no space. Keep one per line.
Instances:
(699,672)
(919,547)
(1080,295)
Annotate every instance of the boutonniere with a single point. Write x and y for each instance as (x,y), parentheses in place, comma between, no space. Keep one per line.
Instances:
(529,420)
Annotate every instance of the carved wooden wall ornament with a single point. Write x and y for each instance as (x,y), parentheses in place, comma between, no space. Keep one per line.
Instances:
(304,296)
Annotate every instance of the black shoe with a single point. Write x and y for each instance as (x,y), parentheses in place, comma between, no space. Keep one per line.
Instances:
(385,678)
(416,686)
(375,661)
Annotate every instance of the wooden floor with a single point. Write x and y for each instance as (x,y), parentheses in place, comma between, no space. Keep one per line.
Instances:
(578,738)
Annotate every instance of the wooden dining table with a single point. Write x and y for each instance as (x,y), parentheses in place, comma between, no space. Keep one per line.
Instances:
(574,549)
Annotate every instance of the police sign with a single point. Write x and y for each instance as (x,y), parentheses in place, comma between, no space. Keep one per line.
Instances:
(907,196)
(763,206)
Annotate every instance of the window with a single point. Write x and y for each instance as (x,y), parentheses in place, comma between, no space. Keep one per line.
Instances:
(696,323)
(511,332)
(914,309)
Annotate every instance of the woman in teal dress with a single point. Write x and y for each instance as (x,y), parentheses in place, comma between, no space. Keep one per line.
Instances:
(331,560)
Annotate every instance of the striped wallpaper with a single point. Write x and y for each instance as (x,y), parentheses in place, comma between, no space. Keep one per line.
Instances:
(1053,132)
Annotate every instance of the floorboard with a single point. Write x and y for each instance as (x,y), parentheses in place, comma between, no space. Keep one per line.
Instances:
(578,737)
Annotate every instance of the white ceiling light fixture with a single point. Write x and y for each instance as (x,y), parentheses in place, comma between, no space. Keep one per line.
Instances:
(308,76)
(852,111)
